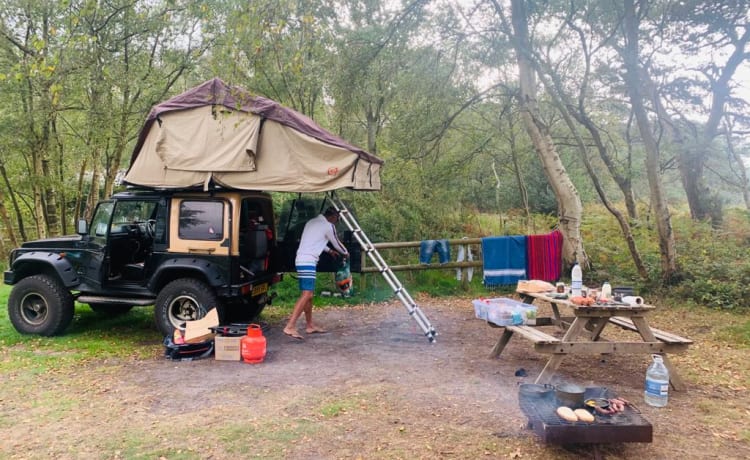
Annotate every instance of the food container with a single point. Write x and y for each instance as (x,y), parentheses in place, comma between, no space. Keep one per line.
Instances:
(503,311)
(621,291)
(569,395)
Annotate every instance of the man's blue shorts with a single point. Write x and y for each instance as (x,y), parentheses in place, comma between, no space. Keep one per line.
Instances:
(306,277)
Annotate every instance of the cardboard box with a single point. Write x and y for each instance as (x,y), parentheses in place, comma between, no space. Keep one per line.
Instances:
(198,331)
(227,348)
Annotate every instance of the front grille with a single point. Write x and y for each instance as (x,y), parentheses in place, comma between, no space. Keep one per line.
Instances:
(626,426)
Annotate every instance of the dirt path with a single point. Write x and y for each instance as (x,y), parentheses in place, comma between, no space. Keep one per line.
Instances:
(372,387)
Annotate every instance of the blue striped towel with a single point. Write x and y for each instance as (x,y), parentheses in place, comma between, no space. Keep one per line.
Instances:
(504,259)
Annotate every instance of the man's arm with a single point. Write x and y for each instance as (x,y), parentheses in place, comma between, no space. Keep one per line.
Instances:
(334,240)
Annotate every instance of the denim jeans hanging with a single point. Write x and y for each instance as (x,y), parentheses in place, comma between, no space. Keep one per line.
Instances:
(428,247)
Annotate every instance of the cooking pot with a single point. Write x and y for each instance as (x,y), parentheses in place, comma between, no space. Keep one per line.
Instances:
(533,391)
(569,395)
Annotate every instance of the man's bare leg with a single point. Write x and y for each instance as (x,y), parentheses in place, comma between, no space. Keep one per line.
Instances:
(311,327)
(300,306)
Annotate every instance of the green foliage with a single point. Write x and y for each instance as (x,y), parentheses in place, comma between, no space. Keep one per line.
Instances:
(714,263)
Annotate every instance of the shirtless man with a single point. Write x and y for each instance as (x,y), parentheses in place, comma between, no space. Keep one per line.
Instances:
(318,233)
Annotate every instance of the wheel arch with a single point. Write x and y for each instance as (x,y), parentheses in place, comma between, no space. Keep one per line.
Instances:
(177,268)
(44,263)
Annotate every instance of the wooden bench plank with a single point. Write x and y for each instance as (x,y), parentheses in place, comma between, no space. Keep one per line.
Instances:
(622,348)
(664,336)
(533,334)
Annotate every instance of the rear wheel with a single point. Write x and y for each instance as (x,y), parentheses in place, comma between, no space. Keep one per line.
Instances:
(184,299)
(40,304)
(110,309)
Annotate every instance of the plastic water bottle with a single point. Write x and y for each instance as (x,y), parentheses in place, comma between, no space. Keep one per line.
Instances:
(576,280)
(657,383)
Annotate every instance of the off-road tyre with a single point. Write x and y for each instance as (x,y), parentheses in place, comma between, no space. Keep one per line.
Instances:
(41,305)
(110,309)
(184,299)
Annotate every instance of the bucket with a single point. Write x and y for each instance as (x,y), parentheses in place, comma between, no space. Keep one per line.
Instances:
(570,395)
(253,345)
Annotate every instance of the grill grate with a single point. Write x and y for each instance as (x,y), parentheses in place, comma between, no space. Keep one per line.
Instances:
(626,426)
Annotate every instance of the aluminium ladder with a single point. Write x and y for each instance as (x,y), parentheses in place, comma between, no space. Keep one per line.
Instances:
(385,270)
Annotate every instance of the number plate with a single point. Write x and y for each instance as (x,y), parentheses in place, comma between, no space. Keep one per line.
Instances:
(260,289)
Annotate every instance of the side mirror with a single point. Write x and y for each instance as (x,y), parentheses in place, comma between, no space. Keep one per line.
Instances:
(82,227)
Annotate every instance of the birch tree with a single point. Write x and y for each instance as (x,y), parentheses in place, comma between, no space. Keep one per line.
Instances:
(570,208)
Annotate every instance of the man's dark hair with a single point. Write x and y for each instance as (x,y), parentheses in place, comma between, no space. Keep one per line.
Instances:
(331,211)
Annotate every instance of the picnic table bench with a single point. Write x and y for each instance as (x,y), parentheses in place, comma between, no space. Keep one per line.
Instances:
(664,336)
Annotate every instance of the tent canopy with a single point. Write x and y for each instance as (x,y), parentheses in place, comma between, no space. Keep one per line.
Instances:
(221,134)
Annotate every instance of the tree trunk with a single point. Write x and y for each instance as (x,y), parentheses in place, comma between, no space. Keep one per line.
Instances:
(522,190)
(50,204)
(702,201)
(93,196)
(570,209)
(16,208)
(658,201)
(37,192)
(7,223)
(80,212)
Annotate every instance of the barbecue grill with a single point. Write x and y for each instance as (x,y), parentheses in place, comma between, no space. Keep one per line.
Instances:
(626,426)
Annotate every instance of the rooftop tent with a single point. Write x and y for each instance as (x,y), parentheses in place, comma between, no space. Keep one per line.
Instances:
(223,134)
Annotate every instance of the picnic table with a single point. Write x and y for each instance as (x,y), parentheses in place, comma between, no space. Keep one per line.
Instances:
(582,333)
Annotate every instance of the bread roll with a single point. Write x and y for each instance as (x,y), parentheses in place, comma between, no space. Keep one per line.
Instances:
(584,415)
(566,413)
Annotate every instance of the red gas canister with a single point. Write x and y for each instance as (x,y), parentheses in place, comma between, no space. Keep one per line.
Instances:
(253,345)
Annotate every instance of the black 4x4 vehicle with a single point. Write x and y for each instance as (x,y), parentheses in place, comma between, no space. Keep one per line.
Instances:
(183,252)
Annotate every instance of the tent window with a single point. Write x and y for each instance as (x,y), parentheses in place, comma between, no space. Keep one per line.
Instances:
(202,220)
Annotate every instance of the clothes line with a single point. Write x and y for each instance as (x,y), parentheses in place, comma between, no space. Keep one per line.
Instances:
(543,259)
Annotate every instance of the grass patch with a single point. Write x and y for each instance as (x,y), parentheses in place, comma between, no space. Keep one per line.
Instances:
(334,409)
(738,333)
(89,336)
(245,439)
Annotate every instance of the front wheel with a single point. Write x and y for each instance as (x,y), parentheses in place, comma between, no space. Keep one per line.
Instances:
(40,304)
(184,299)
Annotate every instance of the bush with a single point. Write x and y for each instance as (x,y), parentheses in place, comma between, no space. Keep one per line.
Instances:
(713,263)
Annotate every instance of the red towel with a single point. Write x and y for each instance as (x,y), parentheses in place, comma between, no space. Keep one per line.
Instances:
(544,256)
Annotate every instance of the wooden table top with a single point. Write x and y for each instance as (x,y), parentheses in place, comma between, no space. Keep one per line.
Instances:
(615,307)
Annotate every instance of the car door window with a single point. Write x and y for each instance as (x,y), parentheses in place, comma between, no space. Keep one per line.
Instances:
(100,223)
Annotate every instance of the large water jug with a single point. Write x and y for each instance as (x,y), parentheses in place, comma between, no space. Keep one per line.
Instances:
(576,280)
(657,383)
